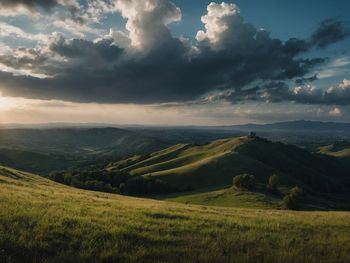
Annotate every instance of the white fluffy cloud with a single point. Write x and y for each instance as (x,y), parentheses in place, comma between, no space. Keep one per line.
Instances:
(147,20)
(339,93)
(343,88)
(307,90)
(119,38)
(217,21)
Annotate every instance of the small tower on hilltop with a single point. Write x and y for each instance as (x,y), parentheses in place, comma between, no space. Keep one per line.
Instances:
(252,134)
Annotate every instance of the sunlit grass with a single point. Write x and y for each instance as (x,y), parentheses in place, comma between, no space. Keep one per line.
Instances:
(41,221)
(228,197)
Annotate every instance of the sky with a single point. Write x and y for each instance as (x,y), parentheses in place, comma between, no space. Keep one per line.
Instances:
(180,62)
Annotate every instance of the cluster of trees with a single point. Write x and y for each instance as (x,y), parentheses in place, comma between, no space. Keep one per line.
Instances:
(292,200)
(112,182)
(139,185)
(244,181)
(247,181)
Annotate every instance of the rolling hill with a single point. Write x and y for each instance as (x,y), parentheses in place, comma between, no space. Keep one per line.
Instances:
(215,164)
(42,221)
(210,168)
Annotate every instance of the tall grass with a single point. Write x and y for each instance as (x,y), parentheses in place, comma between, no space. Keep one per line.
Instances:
(41,221)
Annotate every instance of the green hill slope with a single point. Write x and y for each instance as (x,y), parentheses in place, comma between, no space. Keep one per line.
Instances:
(206,165)
(216,163)
(42,221)
(228,197)
(338,149)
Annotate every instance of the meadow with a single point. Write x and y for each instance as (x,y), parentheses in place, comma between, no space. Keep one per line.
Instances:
(43,221)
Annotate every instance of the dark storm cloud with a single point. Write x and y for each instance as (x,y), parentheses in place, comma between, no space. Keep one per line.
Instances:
(32,4)
(305,80)
(167,69)
(80,48)
(330,31)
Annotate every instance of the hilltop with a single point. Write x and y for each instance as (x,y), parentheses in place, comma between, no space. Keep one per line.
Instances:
(42,221)
(210,167)
(215,163)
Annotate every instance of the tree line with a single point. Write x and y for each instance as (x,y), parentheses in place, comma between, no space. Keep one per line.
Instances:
(117,181)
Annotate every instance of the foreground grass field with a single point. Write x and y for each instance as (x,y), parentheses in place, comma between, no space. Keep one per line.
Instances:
(41,221)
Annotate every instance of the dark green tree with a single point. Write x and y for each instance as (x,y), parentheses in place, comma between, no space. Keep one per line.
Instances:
(244,181)
(273,183)
(294,198)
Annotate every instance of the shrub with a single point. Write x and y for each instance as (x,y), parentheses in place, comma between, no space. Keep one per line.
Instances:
(122,188)
(244,181)
(272,185)
(294,198)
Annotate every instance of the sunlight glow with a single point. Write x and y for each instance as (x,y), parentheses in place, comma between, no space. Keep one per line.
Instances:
(6,103)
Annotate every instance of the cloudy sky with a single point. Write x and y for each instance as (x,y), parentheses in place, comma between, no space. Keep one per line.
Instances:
(174,62)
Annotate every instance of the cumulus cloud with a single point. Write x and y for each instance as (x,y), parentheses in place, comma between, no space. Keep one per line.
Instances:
(97,52)
(147,20)
(218,21)
(119,38)
(145,63)
(339,94)
(308,94)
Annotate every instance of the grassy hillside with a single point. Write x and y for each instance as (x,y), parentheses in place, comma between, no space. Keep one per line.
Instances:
(216,163)
(257,198)
(34,161)
(338,149)
(228,197)
(199,166)
(41,221)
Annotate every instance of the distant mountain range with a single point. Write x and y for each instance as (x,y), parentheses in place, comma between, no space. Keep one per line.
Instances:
(293,126)
(297,125)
